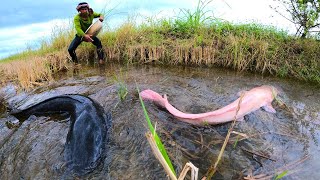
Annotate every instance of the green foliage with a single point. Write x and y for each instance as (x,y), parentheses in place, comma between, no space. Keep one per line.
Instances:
(156,137)
(108,38)
(283,71)
(236,142)
(191,22)
(258,31)
(304,14)
(122,89)
(199,40)
(24,55)
(279,176)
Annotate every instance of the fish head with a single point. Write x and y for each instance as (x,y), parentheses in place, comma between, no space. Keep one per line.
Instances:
(278,95)
(274,91)
(269,91)
(152,96)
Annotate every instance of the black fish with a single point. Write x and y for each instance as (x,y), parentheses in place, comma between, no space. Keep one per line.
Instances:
(88,133)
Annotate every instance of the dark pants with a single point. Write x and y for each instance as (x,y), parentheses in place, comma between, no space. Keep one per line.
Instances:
(77,41)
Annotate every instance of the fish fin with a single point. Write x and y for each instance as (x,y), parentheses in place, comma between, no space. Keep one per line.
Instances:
(269,108)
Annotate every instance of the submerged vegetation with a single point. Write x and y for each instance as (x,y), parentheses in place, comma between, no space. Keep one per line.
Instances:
(122,87)
(191,38)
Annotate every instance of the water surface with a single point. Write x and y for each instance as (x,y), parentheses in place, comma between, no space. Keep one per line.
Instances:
(287,140)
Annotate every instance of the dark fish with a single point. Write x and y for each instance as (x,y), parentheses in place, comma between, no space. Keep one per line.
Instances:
(88,133)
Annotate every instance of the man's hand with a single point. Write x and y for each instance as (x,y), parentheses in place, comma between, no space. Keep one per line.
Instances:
(87,38)
(101,18)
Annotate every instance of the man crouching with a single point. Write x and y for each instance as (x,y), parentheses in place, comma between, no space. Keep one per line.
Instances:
(82,22)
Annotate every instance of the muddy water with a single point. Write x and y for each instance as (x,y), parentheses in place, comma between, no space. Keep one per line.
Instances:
(274,143)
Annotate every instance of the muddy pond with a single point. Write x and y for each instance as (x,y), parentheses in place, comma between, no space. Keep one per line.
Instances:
(286,142)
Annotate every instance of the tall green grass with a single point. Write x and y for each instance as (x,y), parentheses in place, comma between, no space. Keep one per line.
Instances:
(190,22)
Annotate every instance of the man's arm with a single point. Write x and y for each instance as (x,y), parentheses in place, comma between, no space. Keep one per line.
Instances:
(101,18)
(77,25)
(80,32)
(99,15)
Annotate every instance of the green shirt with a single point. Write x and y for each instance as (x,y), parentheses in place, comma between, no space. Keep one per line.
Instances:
(82,25)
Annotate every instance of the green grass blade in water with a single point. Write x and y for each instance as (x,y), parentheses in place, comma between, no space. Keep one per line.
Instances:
(283,174)
(156,137)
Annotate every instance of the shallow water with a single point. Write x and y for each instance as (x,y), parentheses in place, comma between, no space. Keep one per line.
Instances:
(287,140)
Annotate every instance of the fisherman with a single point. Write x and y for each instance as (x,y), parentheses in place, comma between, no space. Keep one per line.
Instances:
(82,22)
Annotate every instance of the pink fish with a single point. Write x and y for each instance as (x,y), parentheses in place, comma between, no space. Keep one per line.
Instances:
(251,101)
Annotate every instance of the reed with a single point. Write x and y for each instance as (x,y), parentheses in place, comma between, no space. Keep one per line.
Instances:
(160,152)
(154,140)
(191,22)
(281,175)
(214,166)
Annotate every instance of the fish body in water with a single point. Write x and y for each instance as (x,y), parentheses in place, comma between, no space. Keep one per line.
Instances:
(88,132)
(250,101)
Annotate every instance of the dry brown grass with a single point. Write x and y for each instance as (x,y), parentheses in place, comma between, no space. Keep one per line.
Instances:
(293,58)
(240,53)
(33,71)
(240,48)
(145,53)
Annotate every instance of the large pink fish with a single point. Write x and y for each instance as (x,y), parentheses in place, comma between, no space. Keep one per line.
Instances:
(251,101)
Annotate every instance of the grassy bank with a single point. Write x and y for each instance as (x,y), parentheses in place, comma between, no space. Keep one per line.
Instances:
(191,38)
